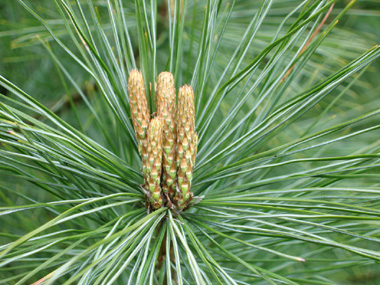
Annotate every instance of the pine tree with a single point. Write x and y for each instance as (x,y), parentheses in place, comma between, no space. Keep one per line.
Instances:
(197,142)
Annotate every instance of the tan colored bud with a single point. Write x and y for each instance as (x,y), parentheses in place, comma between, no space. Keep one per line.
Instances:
(139,108)
(166,109)
(153,162)
(187,143)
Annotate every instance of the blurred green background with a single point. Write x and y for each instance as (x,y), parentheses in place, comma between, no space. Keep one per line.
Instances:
(25,62)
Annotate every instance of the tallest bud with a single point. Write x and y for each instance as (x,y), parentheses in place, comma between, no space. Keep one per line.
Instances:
(139,108)
(166,109)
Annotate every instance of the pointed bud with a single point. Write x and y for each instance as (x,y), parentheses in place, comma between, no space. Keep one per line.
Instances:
(166,109)
(139,108)
(153,162)
(187,143)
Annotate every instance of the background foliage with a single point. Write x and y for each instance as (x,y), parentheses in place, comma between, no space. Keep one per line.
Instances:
(288,162)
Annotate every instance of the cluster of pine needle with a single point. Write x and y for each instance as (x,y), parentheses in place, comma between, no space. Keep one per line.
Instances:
(167,140)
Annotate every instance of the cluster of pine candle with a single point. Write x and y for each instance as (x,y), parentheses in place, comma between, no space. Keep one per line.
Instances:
(167,140)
